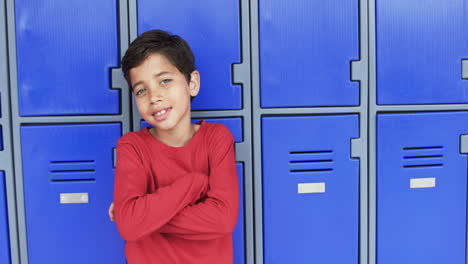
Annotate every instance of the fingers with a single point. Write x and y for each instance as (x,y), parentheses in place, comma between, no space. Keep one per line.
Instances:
(111,212)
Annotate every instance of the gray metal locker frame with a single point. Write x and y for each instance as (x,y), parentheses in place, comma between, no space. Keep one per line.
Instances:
(374,110)
(359,147)
(241,75)
(118,82)
(6,155)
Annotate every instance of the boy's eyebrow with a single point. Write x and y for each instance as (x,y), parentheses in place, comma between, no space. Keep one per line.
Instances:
(155,76)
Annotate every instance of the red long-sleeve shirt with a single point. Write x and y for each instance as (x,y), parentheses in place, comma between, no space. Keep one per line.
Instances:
(177,204)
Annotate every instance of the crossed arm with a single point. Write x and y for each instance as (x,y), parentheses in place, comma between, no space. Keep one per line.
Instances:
(196,206)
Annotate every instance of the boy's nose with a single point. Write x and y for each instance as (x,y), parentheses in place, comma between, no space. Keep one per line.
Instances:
(155,95)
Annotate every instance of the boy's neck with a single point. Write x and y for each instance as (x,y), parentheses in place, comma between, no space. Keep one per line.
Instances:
(176,137)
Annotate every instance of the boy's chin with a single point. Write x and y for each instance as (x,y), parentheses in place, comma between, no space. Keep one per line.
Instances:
(162,126)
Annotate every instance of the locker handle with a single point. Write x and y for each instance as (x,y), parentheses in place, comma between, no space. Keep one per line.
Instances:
(358,71)
(358,148)
(464,144)
(117,79)
(465,69)
(240,73)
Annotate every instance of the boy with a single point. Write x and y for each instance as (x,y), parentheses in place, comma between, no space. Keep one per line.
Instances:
(176,195)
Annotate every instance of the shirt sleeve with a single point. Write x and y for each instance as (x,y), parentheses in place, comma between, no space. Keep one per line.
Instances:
(138,213)
(216,215)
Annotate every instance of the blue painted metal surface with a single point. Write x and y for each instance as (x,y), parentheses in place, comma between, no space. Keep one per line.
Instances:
(420,46)
(310,227)
(421,225)
(64,54)
(4,234)
(212,29)
(306,49)
(234,124)
(75,158)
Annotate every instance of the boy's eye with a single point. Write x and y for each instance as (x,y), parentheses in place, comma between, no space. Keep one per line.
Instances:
(140,91)
(166,81)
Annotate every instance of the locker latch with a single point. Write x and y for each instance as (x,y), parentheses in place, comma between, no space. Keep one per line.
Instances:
(465,69)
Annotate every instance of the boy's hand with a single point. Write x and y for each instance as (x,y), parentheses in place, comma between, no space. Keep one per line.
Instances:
(111,212)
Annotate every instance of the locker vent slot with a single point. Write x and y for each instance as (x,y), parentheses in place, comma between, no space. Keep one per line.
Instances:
(311,161)
(414,148)
(72,170)
(419,157)
(72,161)
(73,180)
(311,170)
(310,152)
(423,157)
(423,165)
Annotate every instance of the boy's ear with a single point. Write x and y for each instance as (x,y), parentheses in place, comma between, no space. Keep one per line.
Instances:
(194,83)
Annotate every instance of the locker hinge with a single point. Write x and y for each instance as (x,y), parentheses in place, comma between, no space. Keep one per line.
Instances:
(118,80)
(465,69)
(464,144)
(358,148)
(358,70)
(240,73)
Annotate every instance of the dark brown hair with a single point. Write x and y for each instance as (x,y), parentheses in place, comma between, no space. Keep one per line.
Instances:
(173,47)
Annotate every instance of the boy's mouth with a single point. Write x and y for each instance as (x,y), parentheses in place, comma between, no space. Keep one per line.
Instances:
(162,114)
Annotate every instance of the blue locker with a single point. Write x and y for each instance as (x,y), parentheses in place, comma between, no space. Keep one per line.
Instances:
(306,49)
(234,125)
(4,234)
(68,187)
(421,188)
(310,189)
(238,236)
(65,50)
(420,47)
(212,29)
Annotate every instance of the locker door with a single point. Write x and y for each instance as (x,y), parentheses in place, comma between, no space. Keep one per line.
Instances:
(212,29)
(310,189)
(305,52)
(68,186)
(65,50)
(4,236)
(421,188)
(420,47)
(234,124)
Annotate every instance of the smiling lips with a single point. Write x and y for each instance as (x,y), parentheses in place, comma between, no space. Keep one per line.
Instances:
(162,114)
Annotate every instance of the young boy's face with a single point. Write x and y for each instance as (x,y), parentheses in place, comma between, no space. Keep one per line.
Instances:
(162,93)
